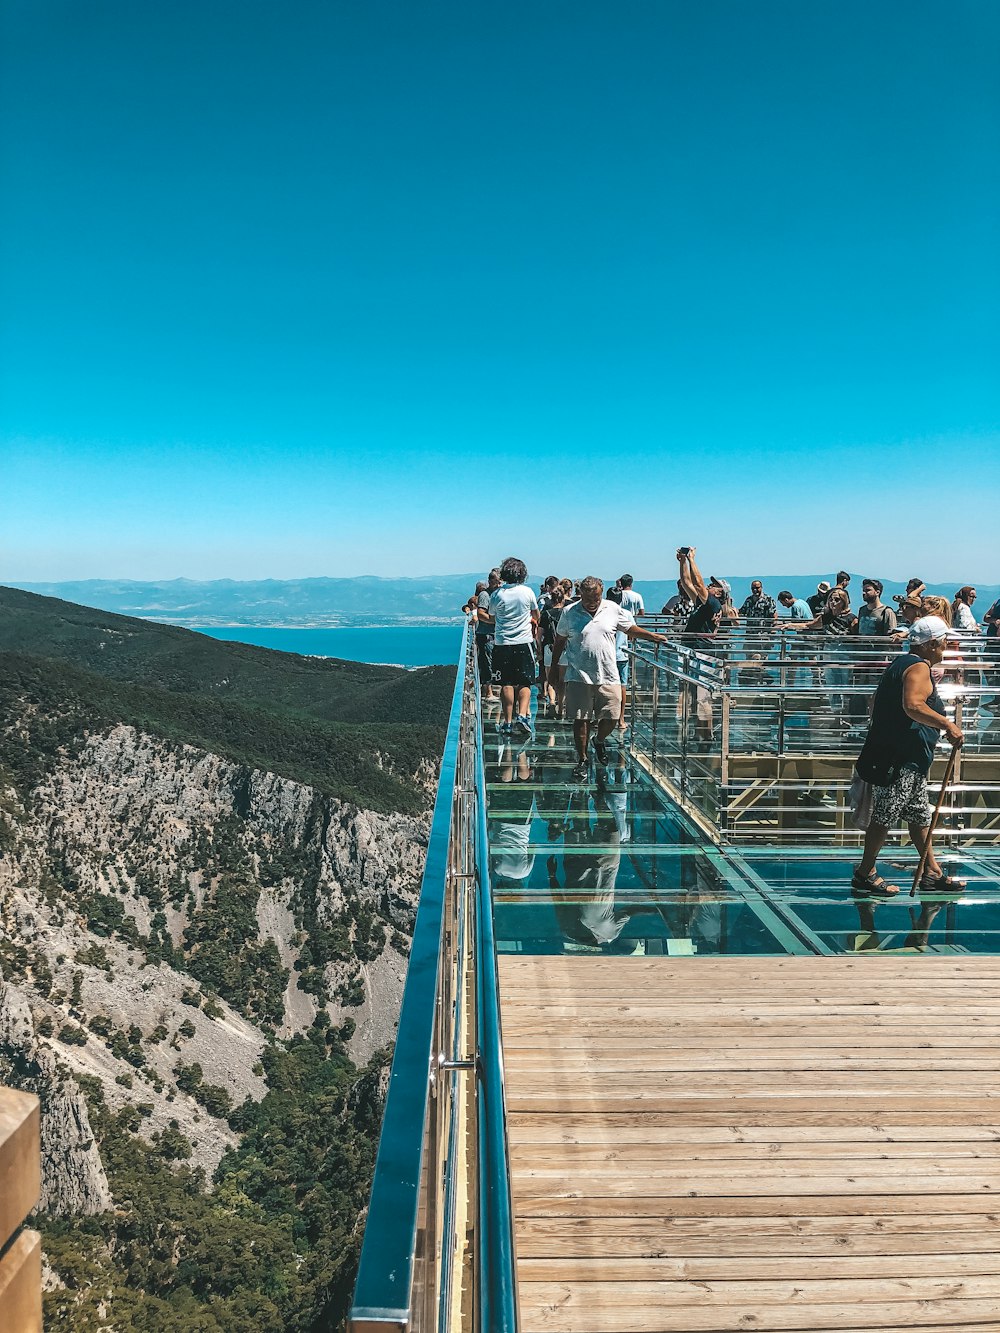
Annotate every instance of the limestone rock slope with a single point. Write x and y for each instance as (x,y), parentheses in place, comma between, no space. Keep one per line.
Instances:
(73,1176)
(165,914)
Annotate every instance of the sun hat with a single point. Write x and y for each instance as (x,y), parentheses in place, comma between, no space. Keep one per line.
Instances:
(721,583)
(823,587)
(928,629)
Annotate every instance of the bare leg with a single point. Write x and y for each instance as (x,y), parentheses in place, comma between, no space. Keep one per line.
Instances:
(919,835)
(581,731)
(507,702)
(524,700)
(605,727)
(875,837)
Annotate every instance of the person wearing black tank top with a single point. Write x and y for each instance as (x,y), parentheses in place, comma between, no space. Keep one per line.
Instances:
(907,715)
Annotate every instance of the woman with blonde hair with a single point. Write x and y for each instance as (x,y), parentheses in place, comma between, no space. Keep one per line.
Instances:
(932,605)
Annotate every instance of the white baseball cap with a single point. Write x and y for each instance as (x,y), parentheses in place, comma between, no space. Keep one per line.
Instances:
(928,628)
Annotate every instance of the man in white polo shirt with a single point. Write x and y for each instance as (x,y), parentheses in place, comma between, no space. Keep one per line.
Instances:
(586,634)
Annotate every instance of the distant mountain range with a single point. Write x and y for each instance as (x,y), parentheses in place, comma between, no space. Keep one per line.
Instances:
(331,602)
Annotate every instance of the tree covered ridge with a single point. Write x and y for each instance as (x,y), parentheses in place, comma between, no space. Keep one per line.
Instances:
(166,657)
(371,765)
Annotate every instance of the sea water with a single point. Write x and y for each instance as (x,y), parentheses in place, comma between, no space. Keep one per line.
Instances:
(407,645)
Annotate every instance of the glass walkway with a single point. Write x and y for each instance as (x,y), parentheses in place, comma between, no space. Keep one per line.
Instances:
(619,983)
(615,865)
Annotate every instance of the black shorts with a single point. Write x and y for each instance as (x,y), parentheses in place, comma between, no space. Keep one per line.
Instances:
(514,664)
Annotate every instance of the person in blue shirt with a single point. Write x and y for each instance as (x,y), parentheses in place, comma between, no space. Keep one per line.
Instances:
(795,606)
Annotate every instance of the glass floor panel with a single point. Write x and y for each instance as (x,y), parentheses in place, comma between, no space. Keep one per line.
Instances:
(609,864)
(817,891)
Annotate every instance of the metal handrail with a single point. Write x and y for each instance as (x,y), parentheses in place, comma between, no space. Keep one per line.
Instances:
(406,1189)
(498,1264)
(383,1292)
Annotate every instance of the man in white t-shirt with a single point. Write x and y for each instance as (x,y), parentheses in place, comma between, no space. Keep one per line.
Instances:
(586,634)
(513,612)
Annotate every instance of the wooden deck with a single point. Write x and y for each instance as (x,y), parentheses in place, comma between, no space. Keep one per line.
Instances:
(739,1143)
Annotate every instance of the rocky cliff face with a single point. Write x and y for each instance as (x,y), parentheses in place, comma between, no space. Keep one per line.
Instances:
(73,1176)
(165,913)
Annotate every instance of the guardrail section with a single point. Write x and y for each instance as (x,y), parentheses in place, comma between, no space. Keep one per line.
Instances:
(755,733)
(437,1251)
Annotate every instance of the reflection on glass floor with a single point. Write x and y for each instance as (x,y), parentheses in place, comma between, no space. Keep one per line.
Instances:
(609,865)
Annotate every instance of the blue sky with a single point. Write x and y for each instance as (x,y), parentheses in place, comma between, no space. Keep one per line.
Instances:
(342,288)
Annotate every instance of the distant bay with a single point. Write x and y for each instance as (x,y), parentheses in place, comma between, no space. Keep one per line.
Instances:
(394,645)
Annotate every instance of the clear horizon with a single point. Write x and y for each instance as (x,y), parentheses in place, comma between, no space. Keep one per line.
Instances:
(352,287)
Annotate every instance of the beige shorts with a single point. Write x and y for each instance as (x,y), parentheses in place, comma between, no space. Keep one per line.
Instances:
(599,702)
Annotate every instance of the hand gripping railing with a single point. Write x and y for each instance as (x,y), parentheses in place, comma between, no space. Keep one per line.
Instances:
(438,1248)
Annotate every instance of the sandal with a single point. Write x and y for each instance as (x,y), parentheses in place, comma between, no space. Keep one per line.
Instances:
(943,883)
(873,885)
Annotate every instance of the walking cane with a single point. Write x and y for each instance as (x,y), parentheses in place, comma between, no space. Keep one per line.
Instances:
(948,771)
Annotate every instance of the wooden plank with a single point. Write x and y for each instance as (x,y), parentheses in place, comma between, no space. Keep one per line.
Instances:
(768,1116)
(20,1162)
(549,1308)
(776,1205)
(591,1156)
(758,1184)
(757,1268)
(662,1129)
(758,1237)
(21,1284)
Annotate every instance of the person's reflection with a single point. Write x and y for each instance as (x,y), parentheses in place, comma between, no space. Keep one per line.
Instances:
(585,903)
(615,797)
(867,940)
(553,768)
(510,832)
(921,920)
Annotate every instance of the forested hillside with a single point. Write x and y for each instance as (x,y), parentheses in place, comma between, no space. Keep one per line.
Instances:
(209,865)
(141,652)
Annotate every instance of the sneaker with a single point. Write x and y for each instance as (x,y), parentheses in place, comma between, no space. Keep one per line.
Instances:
(601,751)
(505,728)
(580,771)
(521,725)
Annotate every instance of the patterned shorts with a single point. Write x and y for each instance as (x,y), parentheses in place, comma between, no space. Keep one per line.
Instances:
(903,802)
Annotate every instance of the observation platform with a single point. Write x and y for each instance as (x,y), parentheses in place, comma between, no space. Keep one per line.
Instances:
(693,1081)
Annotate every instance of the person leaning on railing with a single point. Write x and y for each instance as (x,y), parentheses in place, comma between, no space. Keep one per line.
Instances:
(874,620)
(961,611)
(836,621)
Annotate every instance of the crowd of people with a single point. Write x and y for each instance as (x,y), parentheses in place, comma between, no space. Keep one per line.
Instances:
(570,639)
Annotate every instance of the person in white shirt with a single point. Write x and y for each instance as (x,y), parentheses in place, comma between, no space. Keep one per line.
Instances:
(586,634)
(631,601)
(513,611)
